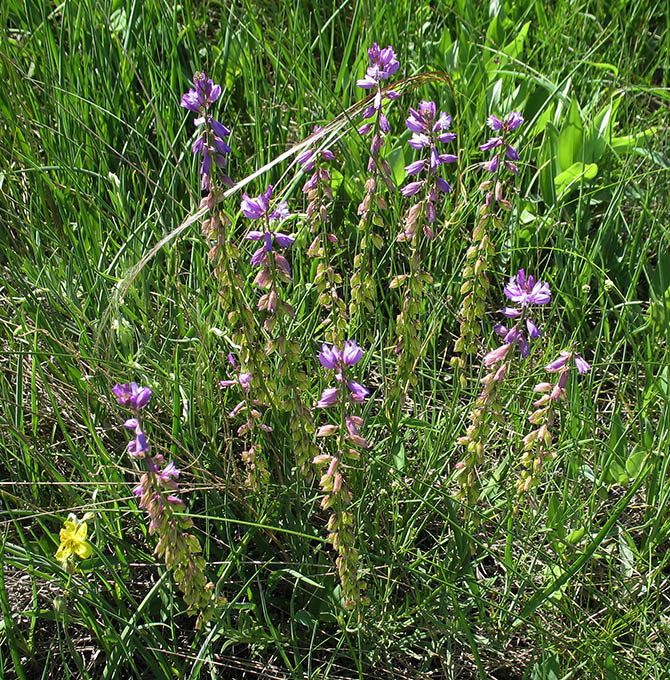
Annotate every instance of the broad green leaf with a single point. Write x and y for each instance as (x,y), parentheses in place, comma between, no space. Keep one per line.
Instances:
(514,48)
(600,132)
(635,463)
(627,143)
(571,141)
(396,160)
(495,33)
(577,172)
(548,164)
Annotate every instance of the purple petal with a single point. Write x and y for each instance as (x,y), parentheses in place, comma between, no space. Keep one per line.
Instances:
(284,240)
(258,257)
(443,185)
(219,129)
(415,167)
(494,123)
(492,143)
(581,364)
(412,188)
(419,141)
(328,357)
(358,392)
(446,137)
(513,120)
(557,364)
(533,330)
(511,153)
(351,353)
(328,398)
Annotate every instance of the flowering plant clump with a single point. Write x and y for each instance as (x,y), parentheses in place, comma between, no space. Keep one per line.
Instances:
(73,541)
(180,549)
(429,132)
(257,472)
(480,254)
(383,64)
(327,279)
(537,443)
(487,411)
(210,144)
(275,268)
(347,441)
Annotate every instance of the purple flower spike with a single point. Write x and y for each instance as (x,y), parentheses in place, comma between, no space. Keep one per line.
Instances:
(503,128)
(427,132)
(383,65)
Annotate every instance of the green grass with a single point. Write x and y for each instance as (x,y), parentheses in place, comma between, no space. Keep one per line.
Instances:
(96,168)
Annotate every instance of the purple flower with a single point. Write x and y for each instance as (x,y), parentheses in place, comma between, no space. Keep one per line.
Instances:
(412,188)
(329,357)
(138,447)
(561,362)
(427,132)
(338,360)
(259,207)
(132,396)
(351,353)
(581,365)
(328,398)
(358,392)
(383,65)
(281,239)
(256,208)
(169,474)
(206,92)
(511,122)
(526,291)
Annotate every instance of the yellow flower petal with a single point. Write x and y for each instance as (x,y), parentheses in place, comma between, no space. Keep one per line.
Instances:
(64,551)
(83,549)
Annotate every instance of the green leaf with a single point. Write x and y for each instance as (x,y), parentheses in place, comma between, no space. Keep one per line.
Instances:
(396,160)
(548,164)
(495,33)
(514,48)
(571,141)
(627,143)
(635,463)
(577,172)
(600,132)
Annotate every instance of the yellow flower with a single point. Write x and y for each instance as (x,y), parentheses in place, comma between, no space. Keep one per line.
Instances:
(73,538)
